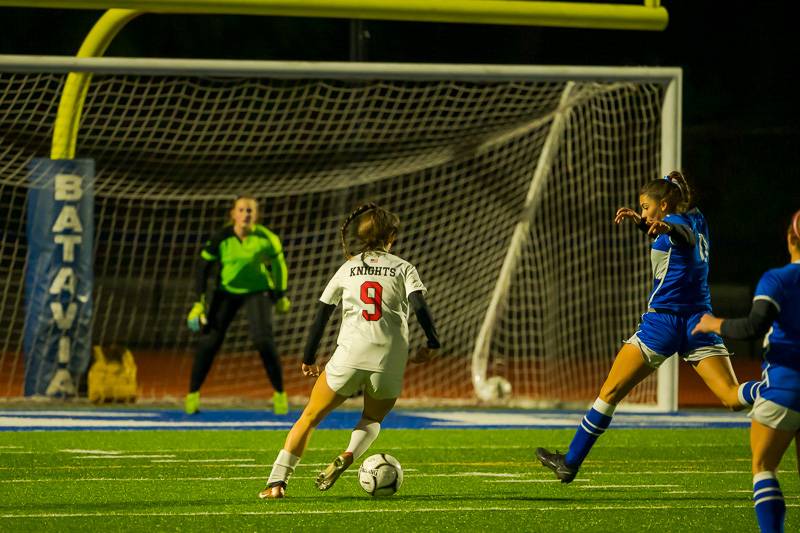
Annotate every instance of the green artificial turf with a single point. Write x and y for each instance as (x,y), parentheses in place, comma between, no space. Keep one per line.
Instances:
(455,480)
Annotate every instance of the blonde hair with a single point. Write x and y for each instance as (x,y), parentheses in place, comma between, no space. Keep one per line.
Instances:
(375,228)
(233,207)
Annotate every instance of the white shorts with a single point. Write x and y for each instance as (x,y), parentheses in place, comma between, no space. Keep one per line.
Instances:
(774,415)
(655,359)
(346,381)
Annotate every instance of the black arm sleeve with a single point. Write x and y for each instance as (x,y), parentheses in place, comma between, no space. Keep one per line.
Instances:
(762,315)
(424,317)
(643,225)
(201,275)
(324,312)
(682,235)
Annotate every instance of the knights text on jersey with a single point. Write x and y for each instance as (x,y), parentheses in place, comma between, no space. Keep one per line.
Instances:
(373,289)
(680,273)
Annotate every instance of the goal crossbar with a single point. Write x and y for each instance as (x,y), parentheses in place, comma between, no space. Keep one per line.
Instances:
(333,69)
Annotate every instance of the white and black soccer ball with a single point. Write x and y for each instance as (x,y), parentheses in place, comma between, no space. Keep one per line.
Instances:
(380,475)
(496,388)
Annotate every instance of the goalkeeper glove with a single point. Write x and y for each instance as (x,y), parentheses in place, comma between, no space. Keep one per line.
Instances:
(197,316)
(282,305)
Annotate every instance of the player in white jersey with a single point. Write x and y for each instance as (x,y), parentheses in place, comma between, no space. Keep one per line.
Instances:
(376,290)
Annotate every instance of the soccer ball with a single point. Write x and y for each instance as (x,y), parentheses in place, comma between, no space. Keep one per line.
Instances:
(493,389)
(380,475)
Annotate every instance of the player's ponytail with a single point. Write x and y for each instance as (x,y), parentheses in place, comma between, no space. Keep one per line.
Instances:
(375,229)
(357,212)
(672,189)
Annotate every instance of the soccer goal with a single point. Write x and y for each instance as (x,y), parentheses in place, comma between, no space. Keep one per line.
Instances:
(505,178)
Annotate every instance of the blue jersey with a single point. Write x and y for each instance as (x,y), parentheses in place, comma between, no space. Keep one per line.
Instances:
(781,382)
(781,286)
(680,272)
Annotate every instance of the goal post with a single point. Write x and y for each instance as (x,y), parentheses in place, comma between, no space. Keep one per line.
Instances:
(505,179)
(649,16)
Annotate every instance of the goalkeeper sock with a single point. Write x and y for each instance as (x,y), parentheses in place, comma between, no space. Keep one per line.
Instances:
(364,434)
(283,467)
(592,426)
(768,501)
(748,391)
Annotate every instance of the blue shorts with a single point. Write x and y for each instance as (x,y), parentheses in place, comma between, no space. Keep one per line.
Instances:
(661,335)
(781,385)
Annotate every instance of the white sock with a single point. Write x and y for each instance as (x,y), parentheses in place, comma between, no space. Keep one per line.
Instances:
(604,408)
(283,467)
(364,434)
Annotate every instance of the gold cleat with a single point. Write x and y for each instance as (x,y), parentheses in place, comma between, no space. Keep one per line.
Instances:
(274,491)
(328,477)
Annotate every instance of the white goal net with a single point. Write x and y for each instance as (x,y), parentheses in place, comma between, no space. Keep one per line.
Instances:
(505,180)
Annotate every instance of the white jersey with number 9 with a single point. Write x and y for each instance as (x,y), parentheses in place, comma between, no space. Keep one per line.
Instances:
(373,289)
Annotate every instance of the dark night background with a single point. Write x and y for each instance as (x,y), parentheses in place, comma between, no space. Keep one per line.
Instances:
(740,130)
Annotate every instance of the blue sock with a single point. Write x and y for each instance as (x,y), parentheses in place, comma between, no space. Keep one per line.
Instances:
(768,501)
(592,426)
(748,391)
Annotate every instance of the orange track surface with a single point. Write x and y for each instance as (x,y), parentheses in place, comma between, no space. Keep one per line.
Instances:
(166,375)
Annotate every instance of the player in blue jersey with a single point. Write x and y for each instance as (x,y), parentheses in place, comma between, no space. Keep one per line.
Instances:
(776,412)
(680,296)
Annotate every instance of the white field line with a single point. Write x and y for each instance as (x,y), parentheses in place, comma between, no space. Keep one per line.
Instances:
(200,460)
(786,497)
(568,509)
(240,478)
(84,468)
(504,477)
(60,423)
(426,447)
(628,486)
(95,452)
(121,456)
(552,480)
(82,414)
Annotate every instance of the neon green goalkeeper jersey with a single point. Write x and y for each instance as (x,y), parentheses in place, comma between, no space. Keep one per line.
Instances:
(244,261)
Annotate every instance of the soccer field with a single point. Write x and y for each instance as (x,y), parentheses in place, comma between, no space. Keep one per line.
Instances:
(679,479)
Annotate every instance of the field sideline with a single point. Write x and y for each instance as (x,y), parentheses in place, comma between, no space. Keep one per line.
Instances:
(675,479)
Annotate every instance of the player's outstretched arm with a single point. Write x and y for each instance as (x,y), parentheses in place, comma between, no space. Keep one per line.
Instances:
(623,213)
(762,314)
(627,213)
(425,319)
(324,312)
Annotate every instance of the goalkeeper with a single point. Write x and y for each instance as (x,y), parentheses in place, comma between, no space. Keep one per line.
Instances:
(243,250)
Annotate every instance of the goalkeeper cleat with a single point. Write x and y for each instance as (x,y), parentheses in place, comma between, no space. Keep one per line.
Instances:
(328,477)
(557,463)
(191,405)
(273,491)
(280,403)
